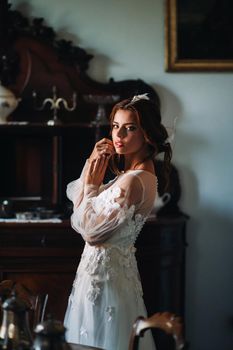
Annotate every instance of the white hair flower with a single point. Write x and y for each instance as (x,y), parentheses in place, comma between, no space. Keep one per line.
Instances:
(140,97)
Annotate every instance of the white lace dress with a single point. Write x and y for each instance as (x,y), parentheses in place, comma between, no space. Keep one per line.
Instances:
(107,295)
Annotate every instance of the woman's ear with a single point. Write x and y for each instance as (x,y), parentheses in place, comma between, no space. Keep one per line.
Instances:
(148,141)
(145,137)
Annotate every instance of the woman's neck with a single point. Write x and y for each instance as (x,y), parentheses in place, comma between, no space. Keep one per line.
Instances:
(137,160)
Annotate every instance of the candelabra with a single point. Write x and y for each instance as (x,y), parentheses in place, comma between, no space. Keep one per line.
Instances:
(101,101)
(55,104)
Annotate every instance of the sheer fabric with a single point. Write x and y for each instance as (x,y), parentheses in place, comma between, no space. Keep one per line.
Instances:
(107,294)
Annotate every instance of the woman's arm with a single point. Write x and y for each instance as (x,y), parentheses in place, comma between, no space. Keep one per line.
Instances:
(103,150)
(75,189)
(99,215)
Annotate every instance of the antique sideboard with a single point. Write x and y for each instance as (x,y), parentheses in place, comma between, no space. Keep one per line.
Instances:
(44,258)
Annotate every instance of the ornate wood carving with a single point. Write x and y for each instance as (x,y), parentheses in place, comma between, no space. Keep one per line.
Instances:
(33,58)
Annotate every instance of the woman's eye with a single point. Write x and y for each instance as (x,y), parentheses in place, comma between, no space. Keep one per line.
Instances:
(127,128)
(131,128)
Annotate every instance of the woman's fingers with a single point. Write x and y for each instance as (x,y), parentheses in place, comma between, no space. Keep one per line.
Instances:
(107,157)
(106,151)
(91,166)
(104,140)
(104,146)
(97,169)
(100,165)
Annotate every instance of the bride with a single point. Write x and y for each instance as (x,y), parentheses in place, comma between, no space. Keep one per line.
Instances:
(107,294)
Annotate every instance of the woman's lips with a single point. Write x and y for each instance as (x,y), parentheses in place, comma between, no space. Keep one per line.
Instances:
(119,144)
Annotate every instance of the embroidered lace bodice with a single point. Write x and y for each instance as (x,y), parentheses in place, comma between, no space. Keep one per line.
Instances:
(109,218)
(112,259)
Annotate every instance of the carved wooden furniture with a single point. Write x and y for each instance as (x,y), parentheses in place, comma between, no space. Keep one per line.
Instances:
(44,257)
(37,158)
(166,321)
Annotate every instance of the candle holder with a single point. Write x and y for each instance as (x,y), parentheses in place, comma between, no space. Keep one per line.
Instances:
(101,101)
(55,104)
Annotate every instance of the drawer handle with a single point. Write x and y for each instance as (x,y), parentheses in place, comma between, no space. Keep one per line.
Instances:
(43,241)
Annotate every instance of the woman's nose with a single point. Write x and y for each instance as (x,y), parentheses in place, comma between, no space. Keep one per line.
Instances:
(120,133)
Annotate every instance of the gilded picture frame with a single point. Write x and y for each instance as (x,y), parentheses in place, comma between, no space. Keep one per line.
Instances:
(198,35)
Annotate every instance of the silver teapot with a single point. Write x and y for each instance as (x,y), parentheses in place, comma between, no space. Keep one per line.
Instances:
(14,331)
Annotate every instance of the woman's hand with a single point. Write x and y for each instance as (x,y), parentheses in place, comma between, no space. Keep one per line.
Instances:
(98,162)
(96,171)
(102,147)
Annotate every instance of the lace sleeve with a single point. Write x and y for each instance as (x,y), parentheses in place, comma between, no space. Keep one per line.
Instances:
(97,217)
(75,189)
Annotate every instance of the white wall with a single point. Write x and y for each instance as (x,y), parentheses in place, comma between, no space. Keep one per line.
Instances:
(127,39)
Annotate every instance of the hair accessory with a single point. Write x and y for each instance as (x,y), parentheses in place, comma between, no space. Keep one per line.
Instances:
(172,133)
(140,97)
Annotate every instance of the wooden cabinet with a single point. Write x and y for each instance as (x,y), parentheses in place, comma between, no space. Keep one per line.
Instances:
(44,258)
(37,161)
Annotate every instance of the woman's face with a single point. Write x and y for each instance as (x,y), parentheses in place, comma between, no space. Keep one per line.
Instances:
(127,134)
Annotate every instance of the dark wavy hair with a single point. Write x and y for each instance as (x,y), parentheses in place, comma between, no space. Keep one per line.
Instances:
(149,118)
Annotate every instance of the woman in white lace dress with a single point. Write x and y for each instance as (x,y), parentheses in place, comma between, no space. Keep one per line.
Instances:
(107,294)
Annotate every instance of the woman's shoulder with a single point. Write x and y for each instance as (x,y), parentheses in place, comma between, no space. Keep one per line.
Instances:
(137,178)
